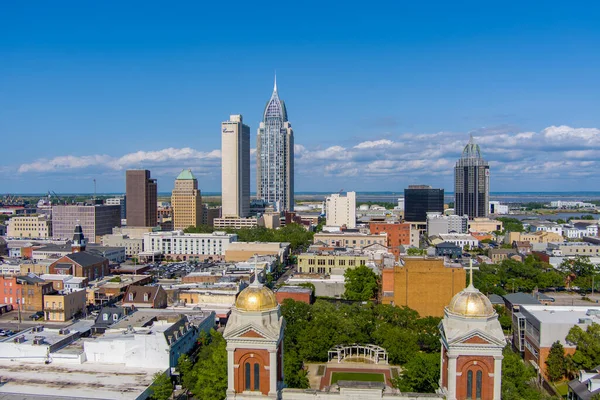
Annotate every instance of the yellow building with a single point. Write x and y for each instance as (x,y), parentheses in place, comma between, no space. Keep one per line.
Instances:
(244,251)
(62,306)
(186,201)
(323,263)
(484,225)
(37,226)
(425,284)
(534,237)
(353,240)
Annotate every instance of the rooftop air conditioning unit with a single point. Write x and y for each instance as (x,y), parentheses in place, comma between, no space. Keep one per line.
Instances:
(38,341)
(19,339)
(64,331)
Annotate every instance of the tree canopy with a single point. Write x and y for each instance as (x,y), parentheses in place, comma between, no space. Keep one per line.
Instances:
(162,387)
(517,378)
(510,275)
(587,353)
(207,379)
(421,374)
(361,283)
(511,224)
(555,363)
(312,330)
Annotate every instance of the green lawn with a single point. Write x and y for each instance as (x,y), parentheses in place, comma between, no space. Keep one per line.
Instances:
(357,376)
(562,388)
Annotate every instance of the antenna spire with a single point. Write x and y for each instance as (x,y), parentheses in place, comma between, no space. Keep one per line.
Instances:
(275,85)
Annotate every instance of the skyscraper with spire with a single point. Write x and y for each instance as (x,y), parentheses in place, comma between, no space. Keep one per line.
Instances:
(472,183)
(275,156)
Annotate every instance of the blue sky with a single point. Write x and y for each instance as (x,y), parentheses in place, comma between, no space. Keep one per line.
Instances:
(380,95)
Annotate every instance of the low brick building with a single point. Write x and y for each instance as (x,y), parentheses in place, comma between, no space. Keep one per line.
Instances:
(145,297)
(398,235)
(63,306)
(81,264)
(27,290)
(297,293)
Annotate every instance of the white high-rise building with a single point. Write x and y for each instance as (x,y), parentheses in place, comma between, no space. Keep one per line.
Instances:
(235,168)
(275,156)
(341,210)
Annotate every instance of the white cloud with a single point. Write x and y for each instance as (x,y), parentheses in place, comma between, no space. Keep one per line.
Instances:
(556,152)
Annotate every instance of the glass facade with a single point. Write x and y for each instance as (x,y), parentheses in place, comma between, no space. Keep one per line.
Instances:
(419,200)
(472,183)
(275,156)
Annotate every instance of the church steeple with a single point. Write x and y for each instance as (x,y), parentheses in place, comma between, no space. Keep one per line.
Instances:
(78,239)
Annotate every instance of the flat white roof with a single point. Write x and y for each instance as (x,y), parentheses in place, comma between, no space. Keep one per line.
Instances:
(82,381)
(567,315)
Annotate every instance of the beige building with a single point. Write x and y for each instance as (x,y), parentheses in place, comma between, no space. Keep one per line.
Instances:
(235,223)
(133,247)
(350,239)
(62,306)
(38,226)
(186,201)
(324,263)
(235,168)
(484,225)
(341,210)
(535,237)
(244,251)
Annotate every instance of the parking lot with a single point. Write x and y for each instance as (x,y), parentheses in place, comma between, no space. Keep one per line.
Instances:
(171,270)
(574,299)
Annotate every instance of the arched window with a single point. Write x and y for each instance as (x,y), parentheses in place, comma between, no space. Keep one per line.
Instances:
(256,377)
(478,385)
(469,384)
(247,380)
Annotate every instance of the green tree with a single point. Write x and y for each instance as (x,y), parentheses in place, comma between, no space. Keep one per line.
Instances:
(185,367)
(517,377)
(421,374)
(361,283)
(414,251)
(162,387)
(555,362)
(587,353)
(511,224)
(199,229)
(211,370)
(580,266)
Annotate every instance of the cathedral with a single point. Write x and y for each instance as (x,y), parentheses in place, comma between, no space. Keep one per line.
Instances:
(471,351)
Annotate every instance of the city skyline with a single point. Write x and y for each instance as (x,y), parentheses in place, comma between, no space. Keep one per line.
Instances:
(376,106)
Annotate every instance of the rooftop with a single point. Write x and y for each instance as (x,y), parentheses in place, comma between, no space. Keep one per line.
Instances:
(567,315)
(186,174)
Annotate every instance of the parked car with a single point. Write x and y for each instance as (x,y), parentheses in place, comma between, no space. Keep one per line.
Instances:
(38,315)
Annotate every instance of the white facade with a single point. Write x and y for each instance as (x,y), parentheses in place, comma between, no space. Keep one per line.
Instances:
(341,210)
(179,243)
(461,240)
(235,223)
(235,167)
(545,226)
(443,224)
(571,204)
(498,209)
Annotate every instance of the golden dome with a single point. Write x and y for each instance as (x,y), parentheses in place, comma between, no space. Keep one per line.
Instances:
(471,303)
(256,298)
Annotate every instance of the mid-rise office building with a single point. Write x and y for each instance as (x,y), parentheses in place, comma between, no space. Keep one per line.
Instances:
(118,201)
(186,201)
(275,156)
(341,210)
(472,183)
(38,226)
(141,195)
(441,224)
(95,220)
(420,200)
(235,168)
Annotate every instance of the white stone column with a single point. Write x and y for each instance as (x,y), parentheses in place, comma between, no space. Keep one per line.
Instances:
(451,377)
(230,371)
(273,371)
(497,377)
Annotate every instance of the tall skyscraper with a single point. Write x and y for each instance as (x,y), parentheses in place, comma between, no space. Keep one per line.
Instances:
(472,183)
(275,156)
(235,168)
(141,192)
(186,201)
(421,199)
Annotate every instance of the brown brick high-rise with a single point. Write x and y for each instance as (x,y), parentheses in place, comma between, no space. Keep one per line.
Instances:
(424,284)
(141,198)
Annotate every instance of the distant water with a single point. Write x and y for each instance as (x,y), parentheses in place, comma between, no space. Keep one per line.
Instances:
(392,197)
